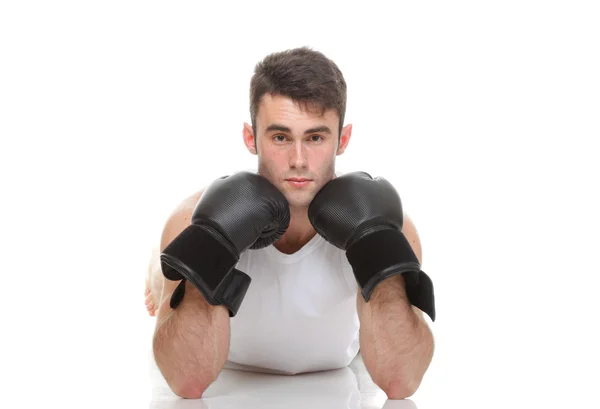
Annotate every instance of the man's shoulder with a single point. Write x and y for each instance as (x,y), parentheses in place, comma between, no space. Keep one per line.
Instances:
(412,235)
(191,200)
(180,218)
(188,204)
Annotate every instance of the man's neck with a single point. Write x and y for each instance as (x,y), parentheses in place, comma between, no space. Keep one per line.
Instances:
(299,232)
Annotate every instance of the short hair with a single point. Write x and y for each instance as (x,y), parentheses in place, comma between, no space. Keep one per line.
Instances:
(306,76)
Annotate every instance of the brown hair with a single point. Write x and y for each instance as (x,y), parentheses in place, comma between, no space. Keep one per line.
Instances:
(306,76)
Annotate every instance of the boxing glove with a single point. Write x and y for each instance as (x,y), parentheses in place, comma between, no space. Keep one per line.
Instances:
(235,213)
(363,216)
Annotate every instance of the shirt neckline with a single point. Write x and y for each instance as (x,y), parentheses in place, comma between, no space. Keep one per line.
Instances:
(310,246)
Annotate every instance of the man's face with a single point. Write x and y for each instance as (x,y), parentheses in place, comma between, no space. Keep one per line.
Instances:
(296,149)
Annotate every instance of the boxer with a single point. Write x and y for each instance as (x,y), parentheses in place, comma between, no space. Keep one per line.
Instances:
(293,267)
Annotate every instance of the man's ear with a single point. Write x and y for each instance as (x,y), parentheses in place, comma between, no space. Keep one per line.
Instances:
(249,139)
(344,139)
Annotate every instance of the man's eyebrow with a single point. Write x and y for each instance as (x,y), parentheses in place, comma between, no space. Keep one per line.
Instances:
(281,128)
(277,127)
(318,129)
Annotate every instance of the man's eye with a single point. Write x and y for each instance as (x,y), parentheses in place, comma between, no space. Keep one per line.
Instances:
(316,138)
(279,138)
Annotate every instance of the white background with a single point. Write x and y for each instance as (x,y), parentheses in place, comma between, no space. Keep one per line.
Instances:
(486,116)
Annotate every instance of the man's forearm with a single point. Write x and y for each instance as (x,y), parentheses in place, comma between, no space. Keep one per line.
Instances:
(396,343)
(191,343)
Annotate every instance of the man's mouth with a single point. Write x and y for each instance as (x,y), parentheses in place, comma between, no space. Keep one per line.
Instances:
(298,182)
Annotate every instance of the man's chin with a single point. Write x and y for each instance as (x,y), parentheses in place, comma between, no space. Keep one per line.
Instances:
(299,201)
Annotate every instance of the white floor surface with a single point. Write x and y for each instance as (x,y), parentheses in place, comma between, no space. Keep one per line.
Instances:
(350,388)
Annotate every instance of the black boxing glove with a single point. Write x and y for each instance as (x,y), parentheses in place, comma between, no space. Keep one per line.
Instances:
(363,216)
(235,213)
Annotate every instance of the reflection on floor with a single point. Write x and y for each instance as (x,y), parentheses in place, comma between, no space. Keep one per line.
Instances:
(347,388)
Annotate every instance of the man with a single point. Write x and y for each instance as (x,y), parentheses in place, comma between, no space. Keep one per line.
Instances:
(277,270)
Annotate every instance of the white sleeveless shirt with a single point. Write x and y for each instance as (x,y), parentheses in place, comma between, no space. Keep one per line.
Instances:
(299,313)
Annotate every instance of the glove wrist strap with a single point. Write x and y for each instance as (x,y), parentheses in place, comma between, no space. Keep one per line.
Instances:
(233,291)
(196,255)
(387,252)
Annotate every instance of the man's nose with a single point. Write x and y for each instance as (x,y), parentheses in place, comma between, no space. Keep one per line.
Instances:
(298,157)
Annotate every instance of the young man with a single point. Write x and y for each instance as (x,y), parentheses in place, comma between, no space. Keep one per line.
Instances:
(277,270)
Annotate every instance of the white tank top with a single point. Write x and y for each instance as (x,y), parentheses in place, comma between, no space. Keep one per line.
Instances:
(299,313)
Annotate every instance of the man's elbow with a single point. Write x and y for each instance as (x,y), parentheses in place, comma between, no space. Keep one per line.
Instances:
(189,389)
(401,389)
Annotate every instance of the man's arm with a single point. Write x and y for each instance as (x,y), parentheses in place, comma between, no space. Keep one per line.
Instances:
(395,341)
(190,343)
